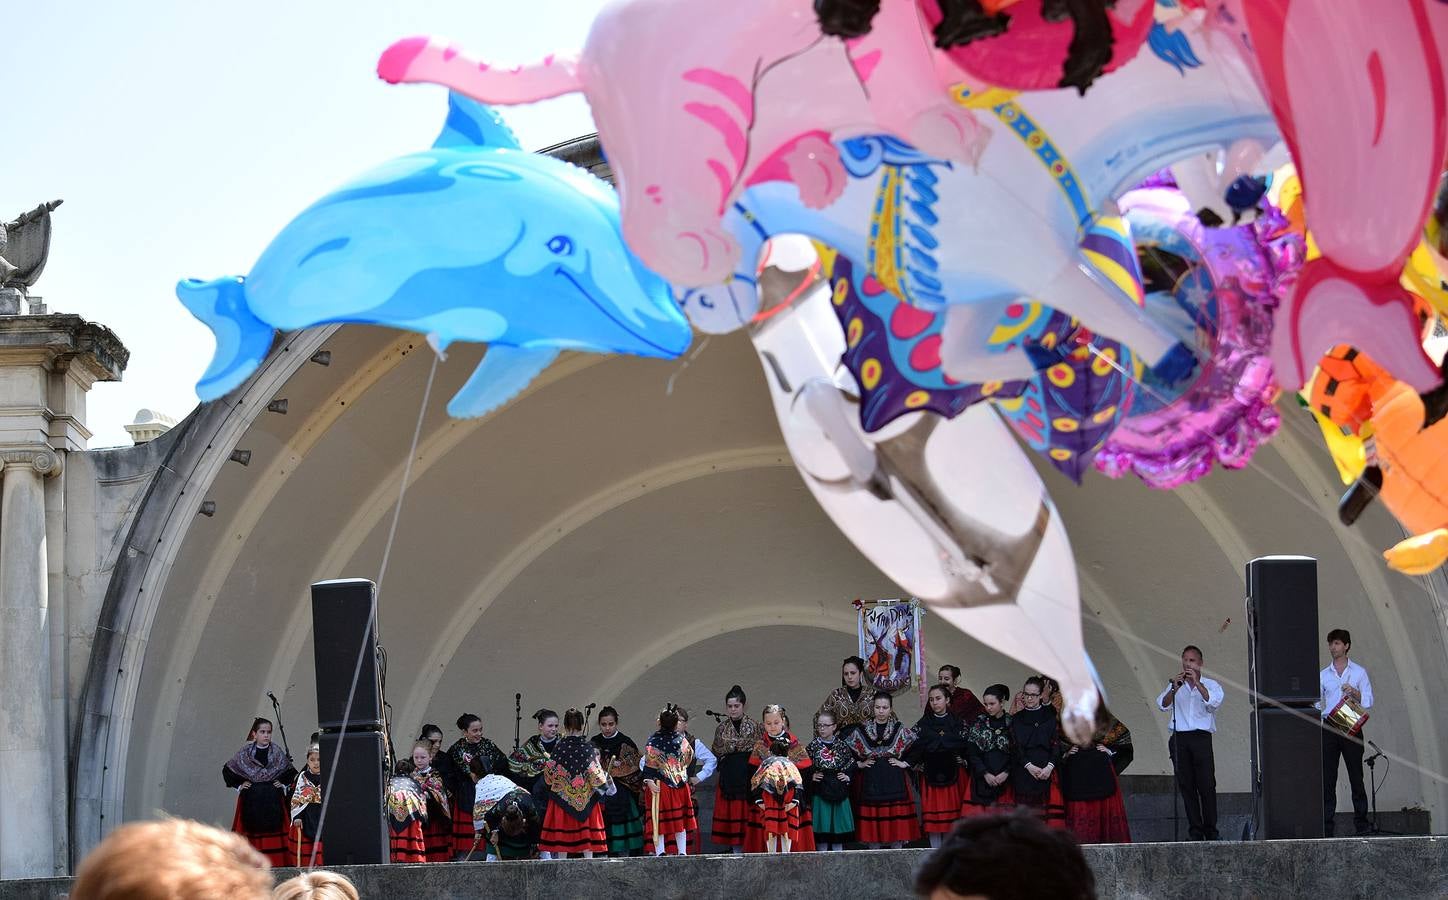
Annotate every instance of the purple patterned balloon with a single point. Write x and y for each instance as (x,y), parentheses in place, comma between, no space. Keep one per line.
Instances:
(1218,287)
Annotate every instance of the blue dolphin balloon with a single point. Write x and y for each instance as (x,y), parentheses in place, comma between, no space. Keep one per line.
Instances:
(473,240)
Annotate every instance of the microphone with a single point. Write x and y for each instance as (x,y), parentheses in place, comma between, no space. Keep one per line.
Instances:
(591,706)
(517,696)
(1377,751)
(273,697)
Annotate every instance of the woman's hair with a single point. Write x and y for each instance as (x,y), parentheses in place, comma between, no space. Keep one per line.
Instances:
(855,661)
(736,693)
(608,711)
(668,719)
(544,715)
(428,729)
(682,713)
(885,695)
(939,687)
(421,745)
(466,720)
(255,724)
(1039,682)
(478,765)
(572,720)
(998,691)
(172,858)
(317,885)
(773,708)
(404,767)
(953,670)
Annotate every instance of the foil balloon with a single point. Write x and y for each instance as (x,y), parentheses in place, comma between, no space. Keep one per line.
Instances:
(1219,287)
(1359,91)
(949,509)
(474,240)
(690,104)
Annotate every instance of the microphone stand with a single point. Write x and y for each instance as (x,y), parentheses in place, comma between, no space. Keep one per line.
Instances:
(1373,779)
(277,711)
(1176,777)
(588,715)
(517,720)
(718,717)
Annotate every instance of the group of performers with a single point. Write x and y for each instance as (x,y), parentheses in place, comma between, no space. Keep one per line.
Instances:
(866,777)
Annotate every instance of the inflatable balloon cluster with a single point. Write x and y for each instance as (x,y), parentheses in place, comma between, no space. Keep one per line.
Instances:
(1073,220)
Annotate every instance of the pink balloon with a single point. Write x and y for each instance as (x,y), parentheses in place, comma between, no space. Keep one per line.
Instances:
(1237,276)
(1358,89)
(693,99)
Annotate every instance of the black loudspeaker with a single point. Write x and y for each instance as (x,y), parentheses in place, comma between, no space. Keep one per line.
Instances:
(354,831)
(1282,610)
(1286,773)
(343,625)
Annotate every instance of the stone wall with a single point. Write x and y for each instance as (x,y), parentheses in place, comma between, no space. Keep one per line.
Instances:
(1401,868)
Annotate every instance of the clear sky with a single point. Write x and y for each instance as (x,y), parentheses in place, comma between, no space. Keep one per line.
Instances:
(183,134)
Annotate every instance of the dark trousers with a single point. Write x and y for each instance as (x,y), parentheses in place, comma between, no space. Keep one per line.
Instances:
(1335,744)
(1196,774)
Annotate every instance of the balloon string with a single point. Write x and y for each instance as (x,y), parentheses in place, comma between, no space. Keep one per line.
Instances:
(669,388)
(377,601)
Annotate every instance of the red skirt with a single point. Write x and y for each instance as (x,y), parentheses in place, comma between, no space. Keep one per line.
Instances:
(564,834)
(940,805)
(777,816)
(462,829)
(731,820)
(437,834)
(406,846)
(1004,801)
(271,844)
(676,812)
(1053,810)
(887,822)
(1099,821)
(804,842)
(299,848)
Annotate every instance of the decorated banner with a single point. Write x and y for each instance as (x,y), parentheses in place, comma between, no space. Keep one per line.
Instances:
(892,643)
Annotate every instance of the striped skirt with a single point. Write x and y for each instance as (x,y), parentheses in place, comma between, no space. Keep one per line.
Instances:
(299,848)
(940,805)
(625,833)
(888,822)
(562,833)
(462,829)
(407,845)
(732,816)
(437,835)
(271,844)
(676,811)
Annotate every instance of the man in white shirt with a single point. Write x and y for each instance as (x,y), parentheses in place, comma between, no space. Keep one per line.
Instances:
(1343,678)
(1193,701)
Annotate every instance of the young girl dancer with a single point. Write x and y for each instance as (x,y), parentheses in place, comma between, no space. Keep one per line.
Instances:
(734,741)
(621,760)
(261,773)
(989,749)
(831,765)
(775,722)
(887,807)
(303,848)
(437,830)
(462,775)
(778,783)
(670,804)
(575,779)
(939,744)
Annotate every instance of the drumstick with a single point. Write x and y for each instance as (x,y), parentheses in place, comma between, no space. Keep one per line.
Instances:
(658,789)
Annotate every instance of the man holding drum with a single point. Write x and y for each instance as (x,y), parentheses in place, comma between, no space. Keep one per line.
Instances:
(1346,696)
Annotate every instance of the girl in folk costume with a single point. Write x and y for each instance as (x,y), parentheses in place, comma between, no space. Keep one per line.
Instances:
(963,704)
(526,763)
(1094,811)
(989,750)
(779,785)
(622,761)
(303,848)
(669,802)
(406,815)
(700,768)
(437,830)
(1036,733)
(853,702)
(776,729)
(506,819)
(887,809)
(433,736)
(470,754)
(574,778)
(734,740)
(939,745)
(261,772)
(831,763)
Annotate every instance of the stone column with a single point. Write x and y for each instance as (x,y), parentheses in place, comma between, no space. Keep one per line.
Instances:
(27,761)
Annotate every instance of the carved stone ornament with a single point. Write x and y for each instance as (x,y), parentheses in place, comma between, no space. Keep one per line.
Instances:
(43,459)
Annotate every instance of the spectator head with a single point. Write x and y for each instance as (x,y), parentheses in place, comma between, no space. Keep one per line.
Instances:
(1014,856)
(173,859)
(319,885)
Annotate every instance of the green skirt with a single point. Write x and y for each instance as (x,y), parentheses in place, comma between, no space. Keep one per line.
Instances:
(833,822)
(626,834)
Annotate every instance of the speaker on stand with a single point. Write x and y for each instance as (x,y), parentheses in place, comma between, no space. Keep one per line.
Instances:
(349,712)
(1286,732)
